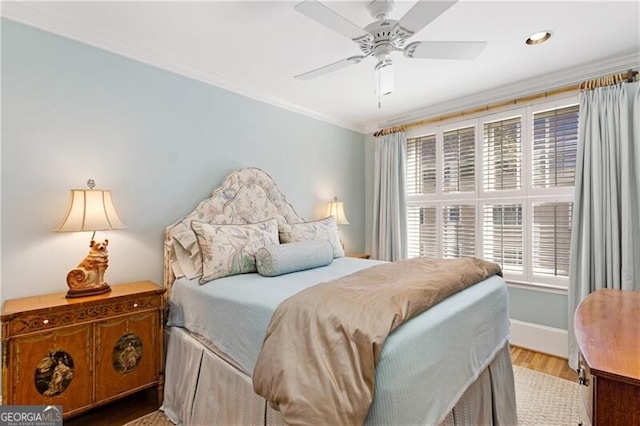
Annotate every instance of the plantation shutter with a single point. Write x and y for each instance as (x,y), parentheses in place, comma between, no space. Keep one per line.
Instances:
(458,167)
(555,142)
(515,209)
(422,228)
(552,238)
(502,155)
(458,231)
(421,165)
(502,236)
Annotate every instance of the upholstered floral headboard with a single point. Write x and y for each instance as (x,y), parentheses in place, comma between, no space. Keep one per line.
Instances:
(247,195)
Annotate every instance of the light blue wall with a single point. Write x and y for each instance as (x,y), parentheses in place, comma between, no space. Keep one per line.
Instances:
(159,141)
(539,307)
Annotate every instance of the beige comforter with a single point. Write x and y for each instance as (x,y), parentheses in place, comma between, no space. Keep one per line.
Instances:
(317,363)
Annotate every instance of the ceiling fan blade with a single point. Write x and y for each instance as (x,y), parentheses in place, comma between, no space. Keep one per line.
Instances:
(444,49)
(329,68)
(330,19)
(422,13)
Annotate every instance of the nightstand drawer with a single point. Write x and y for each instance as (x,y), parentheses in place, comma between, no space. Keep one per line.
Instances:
(50,319)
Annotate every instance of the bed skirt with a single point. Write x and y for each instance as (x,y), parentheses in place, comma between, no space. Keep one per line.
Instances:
(204,388)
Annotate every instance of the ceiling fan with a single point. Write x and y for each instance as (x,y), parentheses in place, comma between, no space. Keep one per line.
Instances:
(384,36)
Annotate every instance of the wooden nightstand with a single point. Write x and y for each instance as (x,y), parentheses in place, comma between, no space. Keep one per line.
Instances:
(358,255)
(84,352)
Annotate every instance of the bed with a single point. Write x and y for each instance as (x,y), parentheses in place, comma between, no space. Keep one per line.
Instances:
(448,365)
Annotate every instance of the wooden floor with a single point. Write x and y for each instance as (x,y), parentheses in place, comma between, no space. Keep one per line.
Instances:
(548,364)
(120,412)
(137,405)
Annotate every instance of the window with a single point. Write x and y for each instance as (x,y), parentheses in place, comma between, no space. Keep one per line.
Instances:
(551,238)
(422,224)
(499,187)
(555,133)
(502,155)
(458,231)
(421,165)
(459,167)
(503,236)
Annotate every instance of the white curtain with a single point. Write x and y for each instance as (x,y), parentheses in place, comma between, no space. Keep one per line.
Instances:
(605,241)
(389,240)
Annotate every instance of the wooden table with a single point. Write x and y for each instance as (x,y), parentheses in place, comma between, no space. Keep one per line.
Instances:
(607,327)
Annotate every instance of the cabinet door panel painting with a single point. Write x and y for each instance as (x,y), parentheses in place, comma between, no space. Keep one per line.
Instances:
(54,373)
(126,351)
(53,368)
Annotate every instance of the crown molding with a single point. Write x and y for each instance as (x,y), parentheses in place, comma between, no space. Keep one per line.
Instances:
(544,83)
(28,14)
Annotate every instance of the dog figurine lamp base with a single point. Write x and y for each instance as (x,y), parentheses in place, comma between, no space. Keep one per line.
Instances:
(90,210)
(88,278)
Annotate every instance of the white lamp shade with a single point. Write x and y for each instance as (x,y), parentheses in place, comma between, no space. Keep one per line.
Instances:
(91,210)
(336,209)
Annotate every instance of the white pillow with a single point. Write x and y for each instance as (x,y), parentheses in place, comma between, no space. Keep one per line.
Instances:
(231,249)
(324,229)
(187,251)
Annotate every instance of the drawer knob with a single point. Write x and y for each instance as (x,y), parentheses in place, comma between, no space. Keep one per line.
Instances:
(45,321)
(135,305)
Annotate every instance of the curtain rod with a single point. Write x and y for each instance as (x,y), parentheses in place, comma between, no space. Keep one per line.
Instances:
(616,78)
(609,80)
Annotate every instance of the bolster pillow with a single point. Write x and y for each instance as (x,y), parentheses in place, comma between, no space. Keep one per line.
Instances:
(279,259)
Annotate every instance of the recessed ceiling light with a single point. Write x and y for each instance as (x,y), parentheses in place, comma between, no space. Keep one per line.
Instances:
(539,37)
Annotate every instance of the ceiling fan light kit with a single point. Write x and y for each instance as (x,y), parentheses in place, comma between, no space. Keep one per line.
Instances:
(384,36)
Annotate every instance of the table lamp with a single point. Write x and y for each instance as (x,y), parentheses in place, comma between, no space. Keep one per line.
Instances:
(90,210)
(335,208)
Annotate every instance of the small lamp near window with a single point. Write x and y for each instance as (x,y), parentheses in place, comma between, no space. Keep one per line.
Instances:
(335,208)
(90,210)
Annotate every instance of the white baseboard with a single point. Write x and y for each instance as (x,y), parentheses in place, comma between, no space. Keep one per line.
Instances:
(539,338)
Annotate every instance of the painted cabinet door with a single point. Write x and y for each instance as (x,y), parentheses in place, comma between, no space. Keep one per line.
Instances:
(127,351)
(53,368)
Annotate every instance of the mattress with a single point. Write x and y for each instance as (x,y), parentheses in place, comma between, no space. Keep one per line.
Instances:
(447,346)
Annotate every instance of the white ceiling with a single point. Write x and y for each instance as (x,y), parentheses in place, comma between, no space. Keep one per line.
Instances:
(255,48)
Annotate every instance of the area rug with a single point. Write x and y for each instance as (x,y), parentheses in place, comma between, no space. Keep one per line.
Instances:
(541,400)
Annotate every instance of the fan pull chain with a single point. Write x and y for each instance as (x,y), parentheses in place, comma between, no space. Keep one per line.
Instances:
(376,79)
